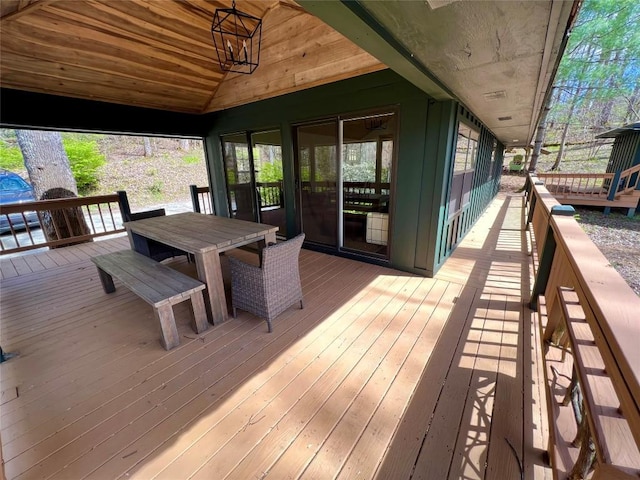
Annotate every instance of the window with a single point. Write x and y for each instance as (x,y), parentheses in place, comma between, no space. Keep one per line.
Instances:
(466,148)
(464,163)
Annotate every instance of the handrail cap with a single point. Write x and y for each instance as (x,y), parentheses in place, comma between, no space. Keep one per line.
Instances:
(563,210)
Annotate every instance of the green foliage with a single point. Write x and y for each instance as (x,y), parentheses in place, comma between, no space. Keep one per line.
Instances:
(10,157)
(156,188)
(191,159)
(270,172)
(598,78)
(84,159)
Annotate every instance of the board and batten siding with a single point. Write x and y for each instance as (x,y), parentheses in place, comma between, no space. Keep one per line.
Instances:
(625,152)
(485,186)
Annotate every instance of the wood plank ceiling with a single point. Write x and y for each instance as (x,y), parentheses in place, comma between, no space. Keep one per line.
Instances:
(160,54)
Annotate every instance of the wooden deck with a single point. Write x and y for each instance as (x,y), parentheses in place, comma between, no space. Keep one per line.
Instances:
(383,374)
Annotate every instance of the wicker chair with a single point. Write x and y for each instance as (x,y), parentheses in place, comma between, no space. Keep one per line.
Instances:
(270,289)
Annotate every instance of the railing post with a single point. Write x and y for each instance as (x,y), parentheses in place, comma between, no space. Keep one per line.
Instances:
(195,201)
(532,202)
(613,188)
(125,209)
(546,258)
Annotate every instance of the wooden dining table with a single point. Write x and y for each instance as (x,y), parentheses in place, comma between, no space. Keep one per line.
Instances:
(205,237)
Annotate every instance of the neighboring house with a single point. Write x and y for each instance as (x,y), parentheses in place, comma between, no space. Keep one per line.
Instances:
(385,122)
(626,147)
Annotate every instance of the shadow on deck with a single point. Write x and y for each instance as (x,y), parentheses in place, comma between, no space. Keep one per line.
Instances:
(383,374)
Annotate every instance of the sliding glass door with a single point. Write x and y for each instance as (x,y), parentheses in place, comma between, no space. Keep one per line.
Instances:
(266,150)
(253,166)
(367,160)
(240,177)
(344,177)
(317,163)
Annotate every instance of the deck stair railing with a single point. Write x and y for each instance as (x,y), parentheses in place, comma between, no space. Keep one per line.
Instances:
(628,181)
(101,215)
(619,189)
(589,330)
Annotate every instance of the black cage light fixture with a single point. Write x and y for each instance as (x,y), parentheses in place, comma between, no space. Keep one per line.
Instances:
(236,37)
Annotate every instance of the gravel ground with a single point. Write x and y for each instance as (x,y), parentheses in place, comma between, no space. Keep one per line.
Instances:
(616,235)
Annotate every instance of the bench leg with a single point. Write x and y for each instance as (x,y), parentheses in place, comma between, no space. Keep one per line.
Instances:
(107,281)
(200,322)
(169,331)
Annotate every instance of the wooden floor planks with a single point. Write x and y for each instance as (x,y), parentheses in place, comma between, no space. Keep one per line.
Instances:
(382,375)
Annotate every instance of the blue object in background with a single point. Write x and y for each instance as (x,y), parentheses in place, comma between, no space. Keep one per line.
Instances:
(14,189)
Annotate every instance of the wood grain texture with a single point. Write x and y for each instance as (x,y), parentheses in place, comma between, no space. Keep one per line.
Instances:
(160,54)
(298,52)
(352,386)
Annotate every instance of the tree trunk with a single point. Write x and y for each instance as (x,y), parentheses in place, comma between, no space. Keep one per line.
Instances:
(633,107)
(565,130)
(563,141)
(527,157)
(46,161)
(542,126)
(51,177)
(148,148)
(612,84)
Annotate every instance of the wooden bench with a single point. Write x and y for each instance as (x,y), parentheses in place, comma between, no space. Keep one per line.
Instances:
(158,285)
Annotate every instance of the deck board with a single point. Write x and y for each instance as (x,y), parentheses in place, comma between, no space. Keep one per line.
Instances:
(383,374)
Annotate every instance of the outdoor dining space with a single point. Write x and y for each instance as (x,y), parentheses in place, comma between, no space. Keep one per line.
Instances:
(383,373)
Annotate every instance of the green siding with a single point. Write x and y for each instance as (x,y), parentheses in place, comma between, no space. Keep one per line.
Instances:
(625,152)
(438,156)
(485,186)
(425,142)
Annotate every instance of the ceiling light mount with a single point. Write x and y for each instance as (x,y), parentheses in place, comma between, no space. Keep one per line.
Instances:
(236,37)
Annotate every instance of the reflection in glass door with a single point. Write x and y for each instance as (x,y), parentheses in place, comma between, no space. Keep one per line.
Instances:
(254,177)
(266,150)
(239,171)
(344,200)
(316,164)
(367,160)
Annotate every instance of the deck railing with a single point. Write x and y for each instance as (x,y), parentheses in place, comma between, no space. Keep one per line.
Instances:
(594,188)
(101,215)
(563,185)
(590,326)
(628,181)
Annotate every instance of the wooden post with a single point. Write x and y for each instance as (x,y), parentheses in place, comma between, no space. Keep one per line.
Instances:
(613,188)
(546,258)
(195,201)
(125,209)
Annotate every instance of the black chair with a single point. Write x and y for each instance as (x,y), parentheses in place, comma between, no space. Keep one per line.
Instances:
(158,251)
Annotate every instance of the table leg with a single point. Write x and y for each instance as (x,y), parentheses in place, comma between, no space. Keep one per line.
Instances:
(210,273)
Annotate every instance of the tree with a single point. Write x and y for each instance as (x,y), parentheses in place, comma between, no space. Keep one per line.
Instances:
(51,177)
(597,80)
(148,148)
(540,133)
(46,161)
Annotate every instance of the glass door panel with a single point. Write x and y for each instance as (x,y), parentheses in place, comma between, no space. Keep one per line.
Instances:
(239,172)
(367,159)
(266,148)
(316,164)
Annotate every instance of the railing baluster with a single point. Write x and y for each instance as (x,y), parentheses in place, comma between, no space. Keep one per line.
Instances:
(57,218)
